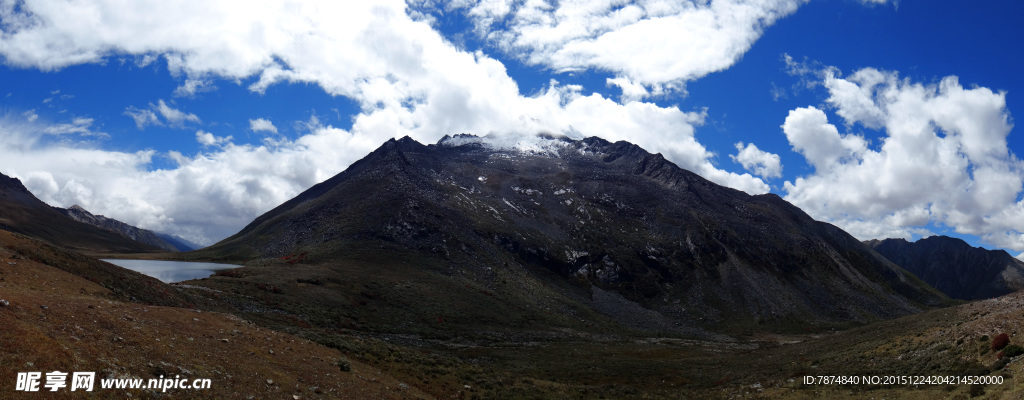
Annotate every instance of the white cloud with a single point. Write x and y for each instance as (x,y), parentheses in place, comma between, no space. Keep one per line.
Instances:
(262,125)
(694,38)
(631,91)
(810,134)
(142,117)
(854,96)
(192,86)
(405,77)
(943,160)
(149,116)
(77,126)
(208,139)
(206,198)
(761,163)
(31,115)
(173,116)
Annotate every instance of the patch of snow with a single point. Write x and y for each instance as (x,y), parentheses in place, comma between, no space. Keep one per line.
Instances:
(531,145)
(528,192)
(513,206)
(496,213)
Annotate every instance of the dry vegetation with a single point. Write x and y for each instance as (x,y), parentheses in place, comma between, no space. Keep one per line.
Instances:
(59,321)
(277,341)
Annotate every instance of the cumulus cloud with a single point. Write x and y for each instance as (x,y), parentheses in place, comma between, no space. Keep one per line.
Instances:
(208,139)
(943,159)
(808,130)
(757,161)
(206,198)
(173,116)
(695,38)
(405,77)
(262,125)
(854,96)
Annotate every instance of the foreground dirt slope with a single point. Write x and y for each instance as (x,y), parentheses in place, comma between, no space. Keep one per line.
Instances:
(59,321)
(956,341)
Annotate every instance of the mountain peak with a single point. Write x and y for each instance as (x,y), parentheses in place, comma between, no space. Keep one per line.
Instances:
(614,223)
(10,183)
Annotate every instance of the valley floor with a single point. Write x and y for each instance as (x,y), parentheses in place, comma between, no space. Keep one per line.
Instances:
(251,347)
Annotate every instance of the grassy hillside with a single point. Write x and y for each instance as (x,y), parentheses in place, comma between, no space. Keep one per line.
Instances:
(56,319)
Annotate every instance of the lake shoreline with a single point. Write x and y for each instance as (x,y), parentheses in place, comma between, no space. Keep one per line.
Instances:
(172,271)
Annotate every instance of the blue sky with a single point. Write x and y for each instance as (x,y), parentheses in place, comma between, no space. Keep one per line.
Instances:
(888,119)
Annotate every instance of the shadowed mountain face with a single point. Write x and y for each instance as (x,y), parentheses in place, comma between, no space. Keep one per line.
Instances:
(604,225)
(955,267)
(144,236)
(179,242)
(22,212)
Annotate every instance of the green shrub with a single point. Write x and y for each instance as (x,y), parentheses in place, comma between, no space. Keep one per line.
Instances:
(1013,351)
(344,364)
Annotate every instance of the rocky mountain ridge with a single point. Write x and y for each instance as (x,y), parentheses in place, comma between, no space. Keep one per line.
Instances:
(954,267)
(22,212)
(145,236)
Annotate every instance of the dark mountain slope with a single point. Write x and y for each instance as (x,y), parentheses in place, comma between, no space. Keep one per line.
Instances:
(955,267)
(144,236)
(22,212)
(596,226)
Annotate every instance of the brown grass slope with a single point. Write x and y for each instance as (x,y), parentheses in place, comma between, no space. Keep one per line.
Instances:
(59,320)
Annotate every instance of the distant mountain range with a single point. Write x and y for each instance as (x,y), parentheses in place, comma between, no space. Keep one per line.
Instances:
(955,267)
(22,212)
(179,242)
(145,236)
(578,228)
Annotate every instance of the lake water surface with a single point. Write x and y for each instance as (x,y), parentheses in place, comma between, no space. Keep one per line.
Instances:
(172,271)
